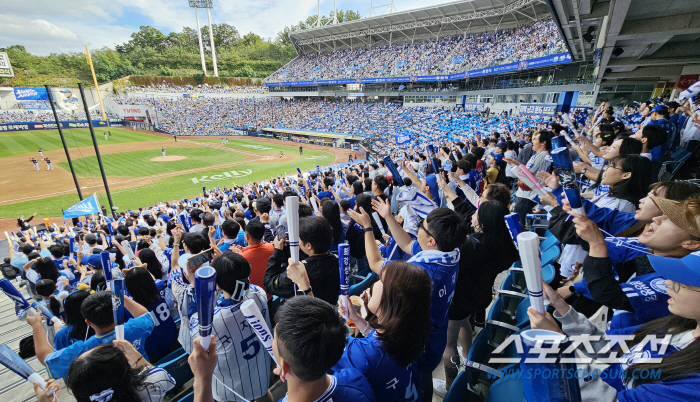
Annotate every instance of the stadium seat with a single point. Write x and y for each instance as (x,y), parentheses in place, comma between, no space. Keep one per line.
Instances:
(178,368)
(506,390)
(357,289)
(518,278)
(550,255)
(170,356)
(549,242)
(669,169)
(187,398)
(548,273)
(460,391)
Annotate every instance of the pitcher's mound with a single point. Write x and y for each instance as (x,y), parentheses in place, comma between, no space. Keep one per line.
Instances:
(168,158)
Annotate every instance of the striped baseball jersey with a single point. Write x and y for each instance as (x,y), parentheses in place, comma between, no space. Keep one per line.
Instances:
(243,363)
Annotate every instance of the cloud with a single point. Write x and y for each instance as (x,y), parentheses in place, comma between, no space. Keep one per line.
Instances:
(68,25)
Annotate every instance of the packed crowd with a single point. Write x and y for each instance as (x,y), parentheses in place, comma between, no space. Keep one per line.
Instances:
(35,104)
(426,267)
(201,88)
(443,56)
(22,116)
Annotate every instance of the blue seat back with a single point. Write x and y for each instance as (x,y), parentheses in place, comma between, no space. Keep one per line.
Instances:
(550,255)
(549,242)
(521,316)
(548,273)
(178,368)
(357,289)
(188,398)
(506,389)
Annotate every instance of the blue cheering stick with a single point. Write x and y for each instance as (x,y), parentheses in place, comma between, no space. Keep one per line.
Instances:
(10,359)
(205,291)
(394,171)
(50,318)
(204,191)
(514,227)
(558,142)
(318,169)
(299,170)
(567,177)
(11,291)
(117,288)
(107,267)
(433,159)
(344,267)
(71,246)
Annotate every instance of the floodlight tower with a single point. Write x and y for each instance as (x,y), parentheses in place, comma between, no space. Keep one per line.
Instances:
(208,5)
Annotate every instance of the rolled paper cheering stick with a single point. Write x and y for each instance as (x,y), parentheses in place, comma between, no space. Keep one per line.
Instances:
(567,177)
(204,191)
(318,169)
(529,248)
(433,159)
(106,267)
(39,306)
(11,291)
(570,123)
(567,137)
(205,291)
(7,236)
(293,226)
(183,221)
(314,204)
(252,314)
(117,288)
(514,227)
(394,171)
(375,215)
(299,170)
(71,245)
(344,266)
(13,362)
(109,227)
(524,175)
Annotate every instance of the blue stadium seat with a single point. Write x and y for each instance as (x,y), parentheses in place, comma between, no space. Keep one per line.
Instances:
(548,273)
(550,255)
(187,398)
(549,242)
(460,391)
(506,390)
(178,368)
(170,356)
(357,289)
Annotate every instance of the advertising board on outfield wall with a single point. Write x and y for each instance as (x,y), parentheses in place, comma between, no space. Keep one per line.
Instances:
(550,60)
(66,125)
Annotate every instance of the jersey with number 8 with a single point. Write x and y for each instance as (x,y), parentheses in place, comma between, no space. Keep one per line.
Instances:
(243,364)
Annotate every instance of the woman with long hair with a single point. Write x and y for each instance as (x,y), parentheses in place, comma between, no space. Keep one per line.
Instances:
(154,266)
(485,254)
(142,289)
(75,329)
(124,376)
(395,329)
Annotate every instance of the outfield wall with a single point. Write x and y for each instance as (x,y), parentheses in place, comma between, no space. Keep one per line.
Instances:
(29,126)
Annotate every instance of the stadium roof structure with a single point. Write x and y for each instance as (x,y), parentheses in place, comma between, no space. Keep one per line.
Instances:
(632,40)
(460,17)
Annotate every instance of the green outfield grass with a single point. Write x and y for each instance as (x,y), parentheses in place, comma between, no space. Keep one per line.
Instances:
(28,142)
(138,163)
(176,187)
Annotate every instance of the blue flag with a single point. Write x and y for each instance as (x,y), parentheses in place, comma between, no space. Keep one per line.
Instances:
(402,138)
(87,206)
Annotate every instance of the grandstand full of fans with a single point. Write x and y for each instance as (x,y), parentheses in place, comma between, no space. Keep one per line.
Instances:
(199,89)
(432,57)
(424,268)
(39,116)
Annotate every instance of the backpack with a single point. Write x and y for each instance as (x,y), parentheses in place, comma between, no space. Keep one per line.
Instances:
(26,347)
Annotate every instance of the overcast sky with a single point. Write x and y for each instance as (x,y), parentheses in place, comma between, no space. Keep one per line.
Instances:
(68,25)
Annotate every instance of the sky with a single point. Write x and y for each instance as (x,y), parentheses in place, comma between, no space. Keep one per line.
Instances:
(57,26)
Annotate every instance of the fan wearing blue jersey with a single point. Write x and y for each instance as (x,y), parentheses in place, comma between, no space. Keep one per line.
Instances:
(395,331)
(97,310)
(437,251)
(309,340)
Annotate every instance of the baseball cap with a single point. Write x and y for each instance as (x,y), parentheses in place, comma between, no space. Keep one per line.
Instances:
(263,204)
(94,261)
(497,157)
(66,90)
(90,238)
(676,212)
(660,108)
(684,270)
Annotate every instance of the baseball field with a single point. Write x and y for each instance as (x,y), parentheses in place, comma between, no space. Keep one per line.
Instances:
(137,172)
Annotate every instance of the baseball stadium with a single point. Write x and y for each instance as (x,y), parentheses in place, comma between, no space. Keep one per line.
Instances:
(472,200)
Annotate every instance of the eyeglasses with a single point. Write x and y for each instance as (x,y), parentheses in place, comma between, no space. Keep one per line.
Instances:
(677,287)
(611,166)
(420,226)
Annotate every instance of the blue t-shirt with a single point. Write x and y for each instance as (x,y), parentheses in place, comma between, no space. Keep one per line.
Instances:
(442,268)
(136,331)
(348,385)
(390,382)
(62,339)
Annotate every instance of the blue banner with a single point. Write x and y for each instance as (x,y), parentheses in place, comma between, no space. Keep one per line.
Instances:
(537,109)
(474,107)
(28,126)
(87,206)
(402,138)
(521,65)
(31,94)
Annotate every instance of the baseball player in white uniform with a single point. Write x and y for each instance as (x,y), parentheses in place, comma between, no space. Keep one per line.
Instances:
(162,150)
(243,363)
(41,152)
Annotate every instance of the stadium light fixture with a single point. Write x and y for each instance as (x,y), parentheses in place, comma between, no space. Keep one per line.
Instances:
(208,5)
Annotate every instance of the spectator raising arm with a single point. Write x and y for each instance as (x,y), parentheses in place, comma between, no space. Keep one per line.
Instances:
(374,256)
